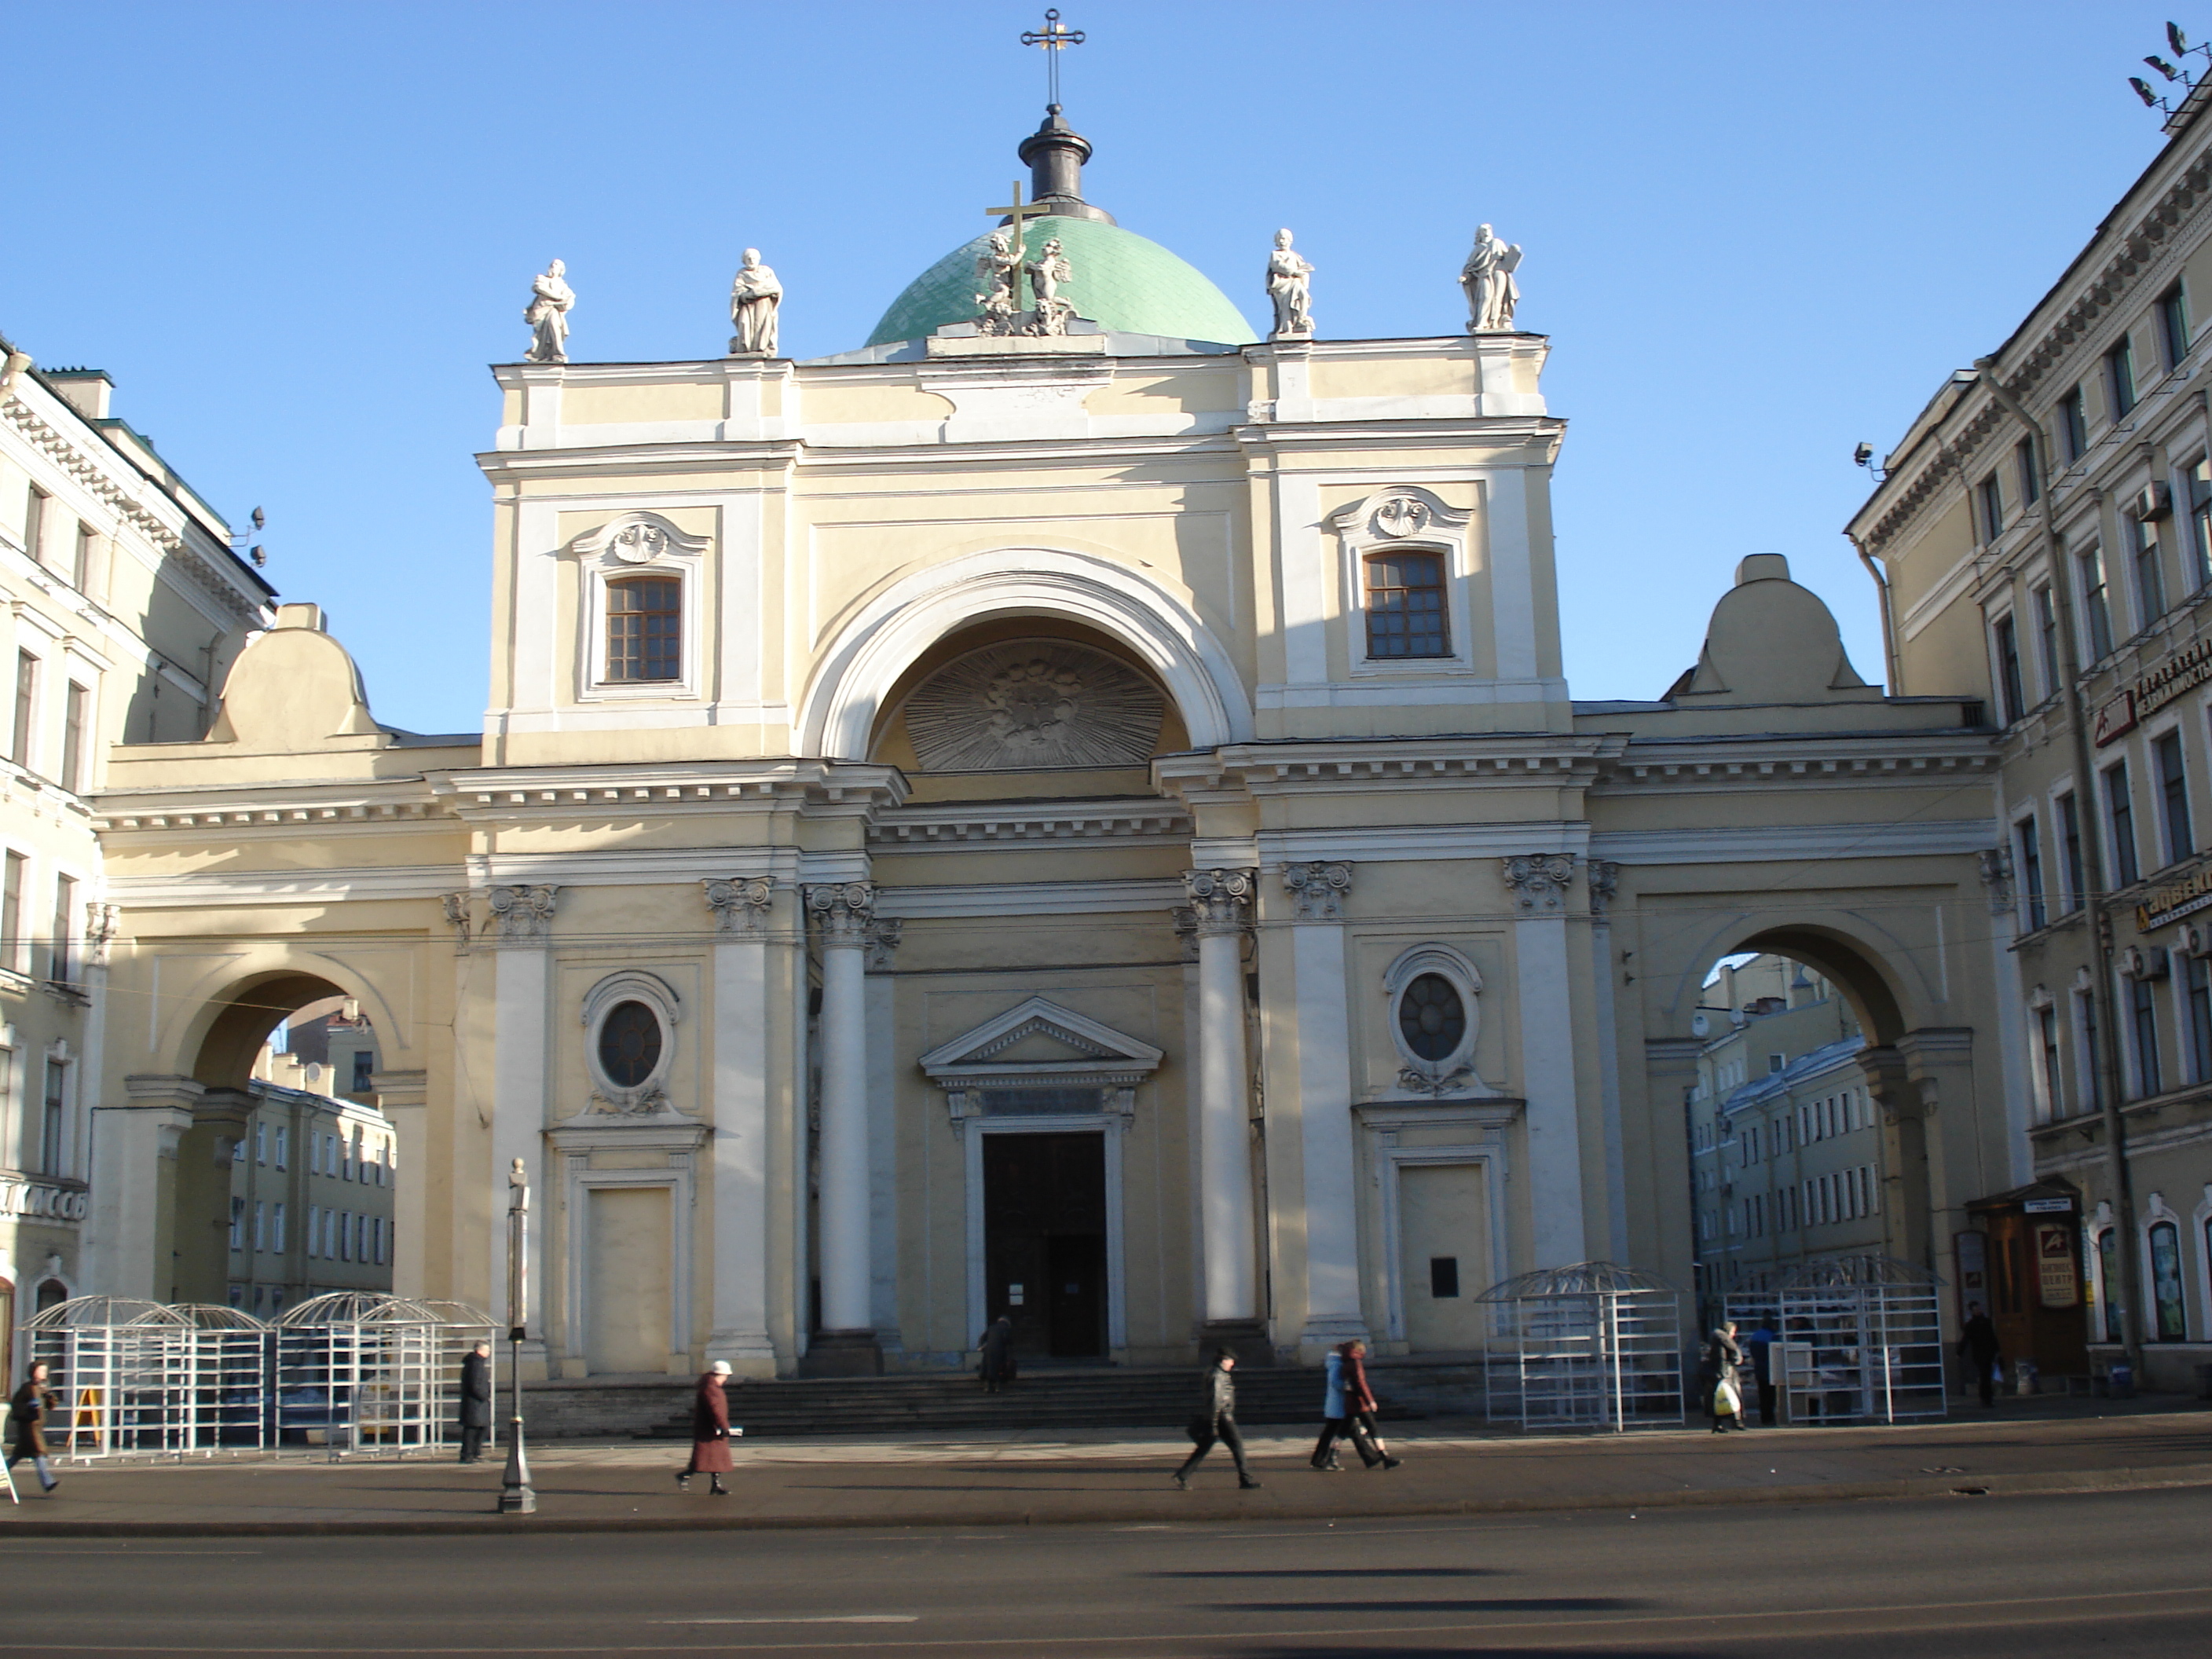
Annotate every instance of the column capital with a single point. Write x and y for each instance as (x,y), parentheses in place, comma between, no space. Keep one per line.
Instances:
(884,933)
(1221,900)
(1539,881)
(1997,878)
(740,904)
(455,908)
(1604,878)
(1318,890)
(525,913)
(843,911)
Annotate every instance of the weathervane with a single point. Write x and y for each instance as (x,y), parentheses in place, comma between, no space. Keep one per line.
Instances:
(1053,40)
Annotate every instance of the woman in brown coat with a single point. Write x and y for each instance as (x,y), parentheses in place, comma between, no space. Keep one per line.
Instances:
(1360,1408)
(710,1432)
(26,1423)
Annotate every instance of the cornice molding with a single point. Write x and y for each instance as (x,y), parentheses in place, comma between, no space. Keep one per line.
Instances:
(1145,821)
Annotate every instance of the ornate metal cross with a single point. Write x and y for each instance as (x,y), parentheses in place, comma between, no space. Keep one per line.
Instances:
(1021,214)
(1053,40)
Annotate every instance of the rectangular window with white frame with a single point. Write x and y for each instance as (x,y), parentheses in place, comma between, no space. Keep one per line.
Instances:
(2147,557)
(2073,426)
(2197,485)
(2028,850)
(2174,325)
(2048,1077)
(2046,639)
(2173,775)
(2096,603)
(2120,820)
(2071,869)
(2012,687)
(15,949)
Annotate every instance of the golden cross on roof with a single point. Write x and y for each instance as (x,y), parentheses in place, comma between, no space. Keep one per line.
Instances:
(1053,40)
(1020,213)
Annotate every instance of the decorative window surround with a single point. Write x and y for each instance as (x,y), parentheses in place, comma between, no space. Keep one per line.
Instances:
(574,1144)
(1485,1145)
(648,1098)
(638,545)
(1453,1074)
(1405,517)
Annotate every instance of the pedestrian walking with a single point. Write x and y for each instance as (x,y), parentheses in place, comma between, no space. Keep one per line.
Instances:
(710,1432)
(1979,1347)
(1728,1397)
(27,1410)
(1216,1419)
(1348,1411)
(475,1401)
(997,1346)
(1759,1345)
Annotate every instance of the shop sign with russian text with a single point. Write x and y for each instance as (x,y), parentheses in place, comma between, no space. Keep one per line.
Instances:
(2177,899)
(2183,672)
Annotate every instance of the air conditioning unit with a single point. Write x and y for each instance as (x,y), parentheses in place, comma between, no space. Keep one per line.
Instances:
(2151,502)
(2136,962)
(2197,939)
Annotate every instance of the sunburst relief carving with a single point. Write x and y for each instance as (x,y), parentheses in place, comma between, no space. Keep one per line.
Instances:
(1034,703)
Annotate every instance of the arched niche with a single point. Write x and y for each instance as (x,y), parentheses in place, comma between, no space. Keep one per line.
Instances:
(966,658)
(870,651)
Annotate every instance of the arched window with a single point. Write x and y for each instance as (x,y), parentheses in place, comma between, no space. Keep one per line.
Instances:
(1432,1016)
(2166,1282)
(645,622)
(1405,613)
(629,1044)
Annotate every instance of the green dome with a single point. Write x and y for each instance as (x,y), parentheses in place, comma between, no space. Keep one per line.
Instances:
(1122,282)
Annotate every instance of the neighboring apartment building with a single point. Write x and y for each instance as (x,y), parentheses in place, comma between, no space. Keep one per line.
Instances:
(125,605)
(312,1173)
(2045,528)
(1786,1147)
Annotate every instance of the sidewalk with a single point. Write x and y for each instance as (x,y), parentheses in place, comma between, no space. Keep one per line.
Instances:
(1027,1479)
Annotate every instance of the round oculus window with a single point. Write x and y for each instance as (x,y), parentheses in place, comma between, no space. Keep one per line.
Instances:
(1431,1017)
(629,1044)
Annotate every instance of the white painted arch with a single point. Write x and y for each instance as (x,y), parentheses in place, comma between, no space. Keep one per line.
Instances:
(868,653)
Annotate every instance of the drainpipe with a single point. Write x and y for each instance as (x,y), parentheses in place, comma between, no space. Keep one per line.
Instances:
(2106,1063)
(1892,666)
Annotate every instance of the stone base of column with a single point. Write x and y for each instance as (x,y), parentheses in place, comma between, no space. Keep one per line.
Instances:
(842,1353)
(749,1354)
(1245,1338)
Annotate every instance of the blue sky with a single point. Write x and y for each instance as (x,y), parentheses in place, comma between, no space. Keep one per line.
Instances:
(295,235)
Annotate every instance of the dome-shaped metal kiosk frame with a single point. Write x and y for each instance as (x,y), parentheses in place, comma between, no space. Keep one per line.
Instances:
(140,1378)
(361,1370)
(1593,1344)
(1859,1338)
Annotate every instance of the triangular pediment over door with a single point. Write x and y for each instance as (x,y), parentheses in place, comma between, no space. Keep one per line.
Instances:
(1040,1059)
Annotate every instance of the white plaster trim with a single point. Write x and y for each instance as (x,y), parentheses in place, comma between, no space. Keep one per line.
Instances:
(655,867)
(415,881)
(864,659)
(1390,1159)
(1031,898)
(1941,837)
(580,1180)
(1408,843)
(972,1051)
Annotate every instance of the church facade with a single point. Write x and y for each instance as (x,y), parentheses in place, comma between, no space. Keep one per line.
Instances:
(1086,824)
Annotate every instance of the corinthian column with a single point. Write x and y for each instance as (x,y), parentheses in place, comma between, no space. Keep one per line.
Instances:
(845,1345)
(1221,904)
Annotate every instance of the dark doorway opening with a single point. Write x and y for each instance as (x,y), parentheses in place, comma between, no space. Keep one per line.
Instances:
(1044,1241)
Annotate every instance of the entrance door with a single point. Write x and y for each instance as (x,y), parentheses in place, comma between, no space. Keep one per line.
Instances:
(626,1275)
(1044,1241)
(1443,1226)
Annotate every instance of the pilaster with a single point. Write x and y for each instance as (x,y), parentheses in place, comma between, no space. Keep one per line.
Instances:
(1537,885)
(1320,995)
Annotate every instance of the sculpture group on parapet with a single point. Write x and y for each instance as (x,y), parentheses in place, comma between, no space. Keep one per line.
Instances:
(999,271)
(756,297)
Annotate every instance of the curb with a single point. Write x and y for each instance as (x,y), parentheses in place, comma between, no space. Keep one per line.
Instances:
(1989,1485)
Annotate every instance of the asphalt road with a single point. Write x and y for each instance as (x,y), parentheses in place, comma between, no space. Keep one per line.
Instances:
(2110,1573)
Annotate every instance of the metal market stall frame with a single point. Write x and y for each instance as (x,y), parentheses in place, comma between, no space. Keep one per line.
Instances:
(109,1360)
(1594,1346)
(1859,1341)
(358,1370)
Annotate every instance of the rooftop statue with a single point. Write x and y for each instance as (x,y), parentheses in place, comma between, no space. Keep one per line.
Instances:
(755,297)
(1046,272)
(1487,278)
(1290,285)
(998,268)
(548,316)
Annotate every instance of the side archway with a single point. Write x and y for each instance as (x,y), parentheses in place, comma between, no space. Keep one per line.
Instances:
(865,659)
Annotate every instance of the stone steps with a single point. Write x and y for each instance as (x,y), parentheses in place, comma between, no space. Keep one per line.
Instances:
(1048,1399)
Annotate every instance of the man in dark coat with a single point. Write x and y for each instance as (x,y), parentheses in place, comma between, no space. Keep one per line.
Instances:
(475,1401)
(1216,1419)
(997,1345)
(27,1424)
(710,1432)
(1759,1345)
(1978,1346)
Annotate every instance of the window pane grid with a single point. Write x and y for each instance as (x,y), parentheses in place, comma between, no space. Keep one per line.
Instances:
(1406,606)
(644,630)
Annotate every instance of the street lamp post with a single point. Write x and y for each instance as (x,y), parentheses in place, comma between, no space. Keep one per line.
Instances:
(516,1496)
